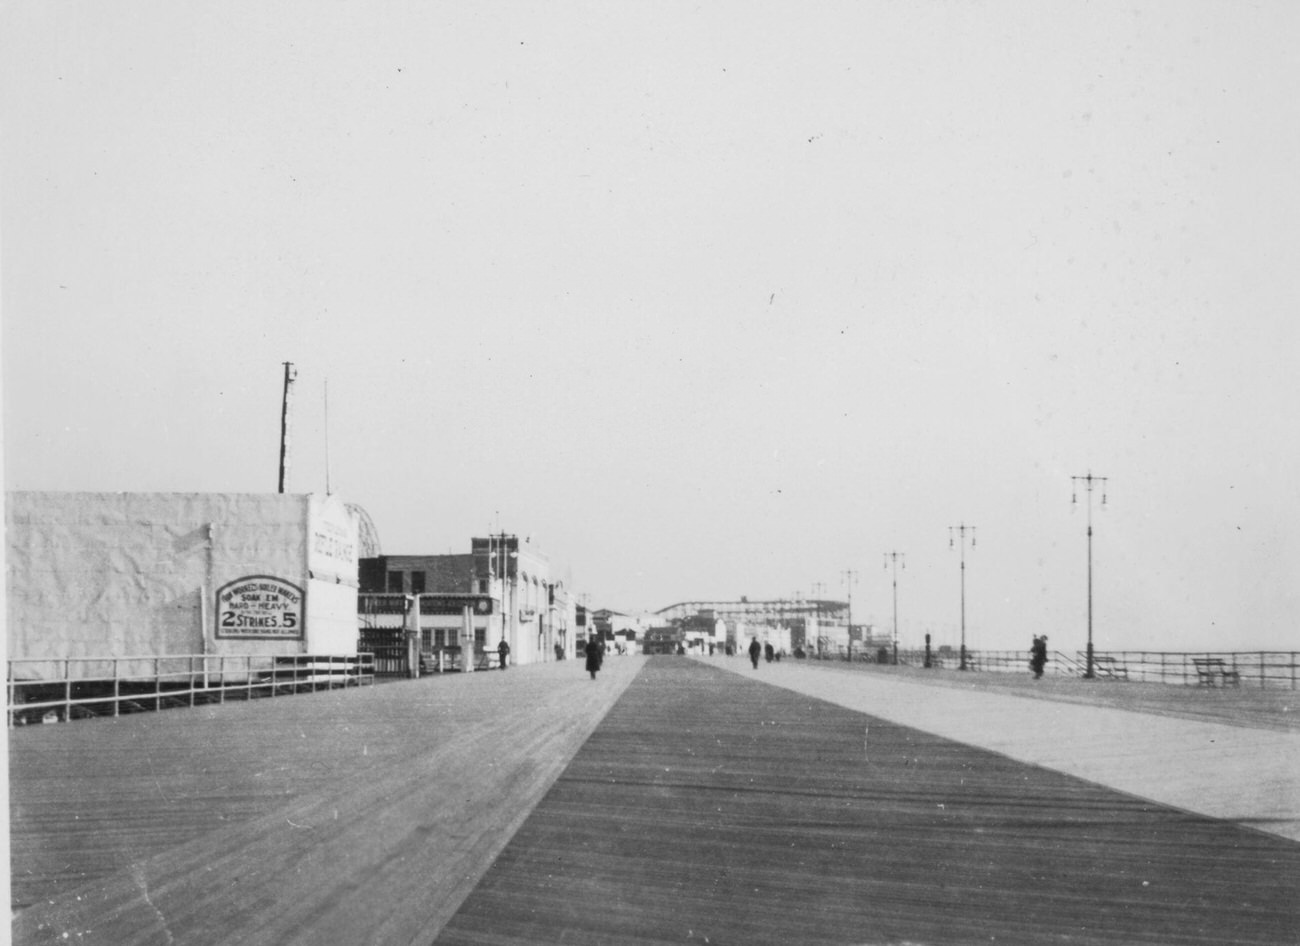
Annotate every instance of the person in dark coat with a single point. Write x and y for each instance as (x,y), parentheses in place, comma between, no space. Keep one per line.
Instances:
(755,651)
(768,652)
(594,653)
(1038,656)
(503,651)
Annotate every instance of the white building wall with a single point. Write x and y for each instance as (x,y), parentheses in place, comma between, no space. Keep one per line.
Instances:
(130,574)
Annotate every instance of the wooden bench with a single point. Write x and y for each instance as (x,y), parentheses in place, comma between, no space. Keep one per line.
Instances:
(453,660)
(292,673)
(1212,671)
(1107,666)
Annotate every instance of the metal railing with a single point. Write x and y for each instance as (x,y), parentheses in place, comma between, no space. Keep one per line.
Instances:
(58,690)
(1259,669)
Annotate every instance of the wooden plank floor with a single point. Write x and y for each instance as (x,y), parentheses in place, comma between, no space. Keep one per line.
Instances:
(350,817)
(712,808)
(669,801)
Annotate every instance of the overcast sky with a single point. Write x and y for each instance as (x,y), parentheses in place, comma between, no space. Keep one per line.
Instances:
(709,299)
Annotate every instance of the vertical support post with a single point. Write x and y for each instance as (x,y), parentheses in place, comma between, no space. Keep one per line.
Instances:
(413,637)
(850,579)
(117,687)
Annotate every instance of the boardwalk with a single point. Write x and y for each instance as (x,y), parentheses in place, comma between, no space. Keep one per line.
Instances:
(672,800)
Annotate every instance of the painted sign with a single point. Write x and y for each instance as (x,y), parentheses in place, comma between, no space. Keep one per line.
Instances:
(332,542)
(260,607)
(454,604)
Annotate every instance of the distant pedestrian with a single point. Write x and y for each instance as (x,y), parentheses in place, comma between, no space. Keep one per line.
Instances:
(594,653)
(768,652)
(503,651)
(1038,655)
(755,651)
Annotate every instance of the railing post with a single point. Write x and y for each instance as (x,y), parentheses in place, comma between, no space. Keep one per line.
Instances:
(157,683)
(117,687)
(67,690)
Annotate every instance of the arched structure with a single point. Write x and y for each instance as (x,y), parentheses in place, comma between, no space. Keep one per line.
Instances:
(367,535)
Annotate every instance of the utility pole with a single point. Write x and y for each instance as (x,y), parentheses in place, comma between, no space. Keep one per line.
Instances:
(328,492)
(893,559)
(850,579)
(290,373)
(958,533)
(1089,483)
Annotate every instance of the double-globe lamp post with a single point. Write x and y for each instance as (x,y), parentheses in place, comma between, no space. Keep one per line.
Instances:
(1089,483)
(958,534)
(893,559)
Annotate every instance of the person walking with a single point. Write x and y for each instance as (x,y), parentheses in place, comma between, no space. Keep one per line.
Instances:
(1038,655)
(503,651)
(755,651)
(768,652)
(594,653)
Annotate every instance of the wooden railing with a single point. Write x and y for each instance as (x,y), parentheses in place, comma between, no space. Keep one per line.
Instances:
(1268,669)
(46,690)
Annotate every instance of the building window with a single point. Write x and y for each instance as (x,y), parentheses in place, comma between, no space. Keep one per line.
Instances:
(417,583)
(480,637)
(395,583)
(426,639)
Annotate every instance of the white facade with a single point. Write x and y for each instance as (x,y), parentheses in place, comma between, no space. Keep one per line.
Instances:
(93,575)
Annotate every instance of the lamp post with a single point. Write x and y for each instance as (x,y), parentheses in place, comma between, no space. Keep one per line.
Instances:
(1089,482)
(958,533)
(893,559)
